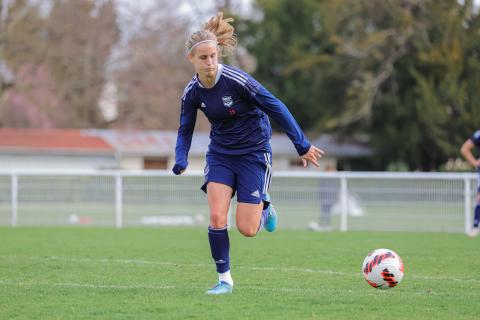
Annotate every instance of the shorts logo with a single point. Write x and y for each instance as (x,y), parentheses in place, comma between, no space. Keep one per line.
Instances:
(227,101)
(203,105)
(255,194)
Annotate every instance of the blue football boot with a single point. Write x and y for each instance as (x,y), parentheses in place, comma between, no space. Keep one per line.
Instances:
(271,221)
(220,288)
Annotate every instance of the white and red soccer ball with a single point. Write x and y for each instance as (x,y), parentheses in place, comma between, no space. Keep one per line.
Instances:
(383,269)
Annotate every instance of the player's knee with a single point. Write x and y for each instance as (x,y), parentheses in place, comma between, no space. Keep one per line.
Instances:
(248,231)
(217,220)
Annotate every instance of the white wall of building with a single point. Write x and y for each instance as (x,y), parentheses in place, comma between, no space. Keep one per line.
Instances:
(131,163)
(67,162)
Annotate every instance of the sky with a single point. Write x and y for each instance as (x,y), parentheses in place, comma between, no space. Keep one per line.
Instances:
(197,10)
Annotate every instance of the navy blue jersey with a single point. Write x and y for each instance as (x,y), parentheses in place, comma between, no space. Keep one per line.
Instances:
(237,107)
(476,138)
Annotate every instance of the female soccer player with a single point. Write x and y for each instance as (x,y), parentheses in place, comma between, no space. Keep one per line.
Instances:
(473,141)
(239,157)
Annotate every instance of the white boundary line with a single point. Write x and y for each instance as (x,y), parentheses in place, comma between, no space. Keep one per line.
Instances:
(253,268)
(72,285)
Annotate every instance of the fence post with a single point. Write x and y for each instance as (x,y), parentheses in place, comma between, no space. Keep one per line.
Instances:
(343,203)
(118,201)
(14,200)
(467,205)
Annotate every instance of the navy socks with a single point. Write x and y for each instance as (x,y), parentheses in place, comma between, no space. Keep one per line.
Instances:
(220,248)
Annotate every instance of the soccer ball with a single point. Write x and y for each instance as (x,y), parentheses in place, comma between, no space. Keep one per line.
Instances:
(383,269)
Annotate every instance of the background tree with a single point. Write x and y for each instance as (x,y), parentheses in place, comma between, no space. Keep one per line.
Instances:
(59,59)
(154,72)
(397,72)
(428,107)
(155,69)
(80,38)
(20,45)
(400,75)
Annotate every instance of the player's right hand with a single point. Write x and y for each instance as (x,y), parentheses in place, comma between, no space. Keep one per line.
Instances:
(178,169)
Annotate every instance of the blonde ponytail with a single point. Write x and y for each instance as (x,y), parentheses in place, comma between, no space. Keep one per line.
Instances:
(218,30)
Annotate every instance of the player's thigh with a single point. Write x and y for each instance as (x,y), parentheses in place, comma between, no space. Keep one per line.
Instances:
(220,180)
(219,196)
(248,217)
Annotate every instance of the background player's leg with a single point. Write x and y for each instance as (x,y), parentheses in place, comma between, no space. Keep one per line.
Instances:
(476,218)
(219,196)
(475,231)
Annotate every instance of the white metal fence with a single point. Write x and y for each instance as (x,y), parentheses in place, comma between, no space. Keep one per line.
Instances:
(438,202)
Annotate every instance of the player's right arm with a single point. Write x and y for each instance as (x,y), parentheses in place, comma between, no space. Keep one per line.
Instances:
(188,117)
(466,151)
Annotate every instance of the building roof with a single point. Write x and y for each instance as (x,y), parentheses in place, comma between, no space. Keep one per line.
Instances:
(51,141)
(148,143)
(140,142)
(162,143)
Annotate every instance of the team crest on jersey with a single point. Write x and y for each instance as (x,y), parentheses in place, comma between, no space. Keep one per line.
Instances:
(203,105)
(227,101)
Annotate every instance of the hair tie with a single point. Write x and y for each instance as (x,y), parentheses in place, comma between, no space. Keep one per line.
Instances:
(200,42)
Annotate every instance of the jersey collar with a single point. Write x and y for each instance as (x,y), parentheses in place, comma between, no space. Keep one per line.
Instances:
(219,73)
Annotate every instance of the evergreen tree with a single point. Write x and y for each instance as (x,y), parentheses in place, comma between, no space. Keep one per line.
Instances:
(402,73)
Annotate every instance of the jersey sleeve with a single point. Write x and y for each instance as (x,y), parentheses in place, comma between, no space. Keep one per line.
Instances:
(188,117)
(279,112)
(476,138)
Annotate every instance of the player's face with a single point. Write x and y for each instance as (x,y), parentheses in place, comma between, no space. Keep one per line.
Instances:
(205,59)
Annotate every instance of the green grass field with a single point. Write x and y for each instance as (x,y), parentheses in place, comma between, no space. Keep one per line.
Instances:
(162,273)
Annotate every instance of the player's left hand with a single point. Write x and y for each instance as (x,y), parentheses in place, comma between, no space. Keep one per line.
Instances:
(312,155)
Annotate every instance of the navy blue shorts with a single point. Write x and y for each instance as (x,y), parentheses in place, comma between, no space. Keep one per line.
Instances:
(249,175)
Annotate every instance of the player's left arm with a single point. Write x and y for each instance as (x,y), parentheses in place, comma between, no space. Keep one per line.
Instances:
(277,110)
